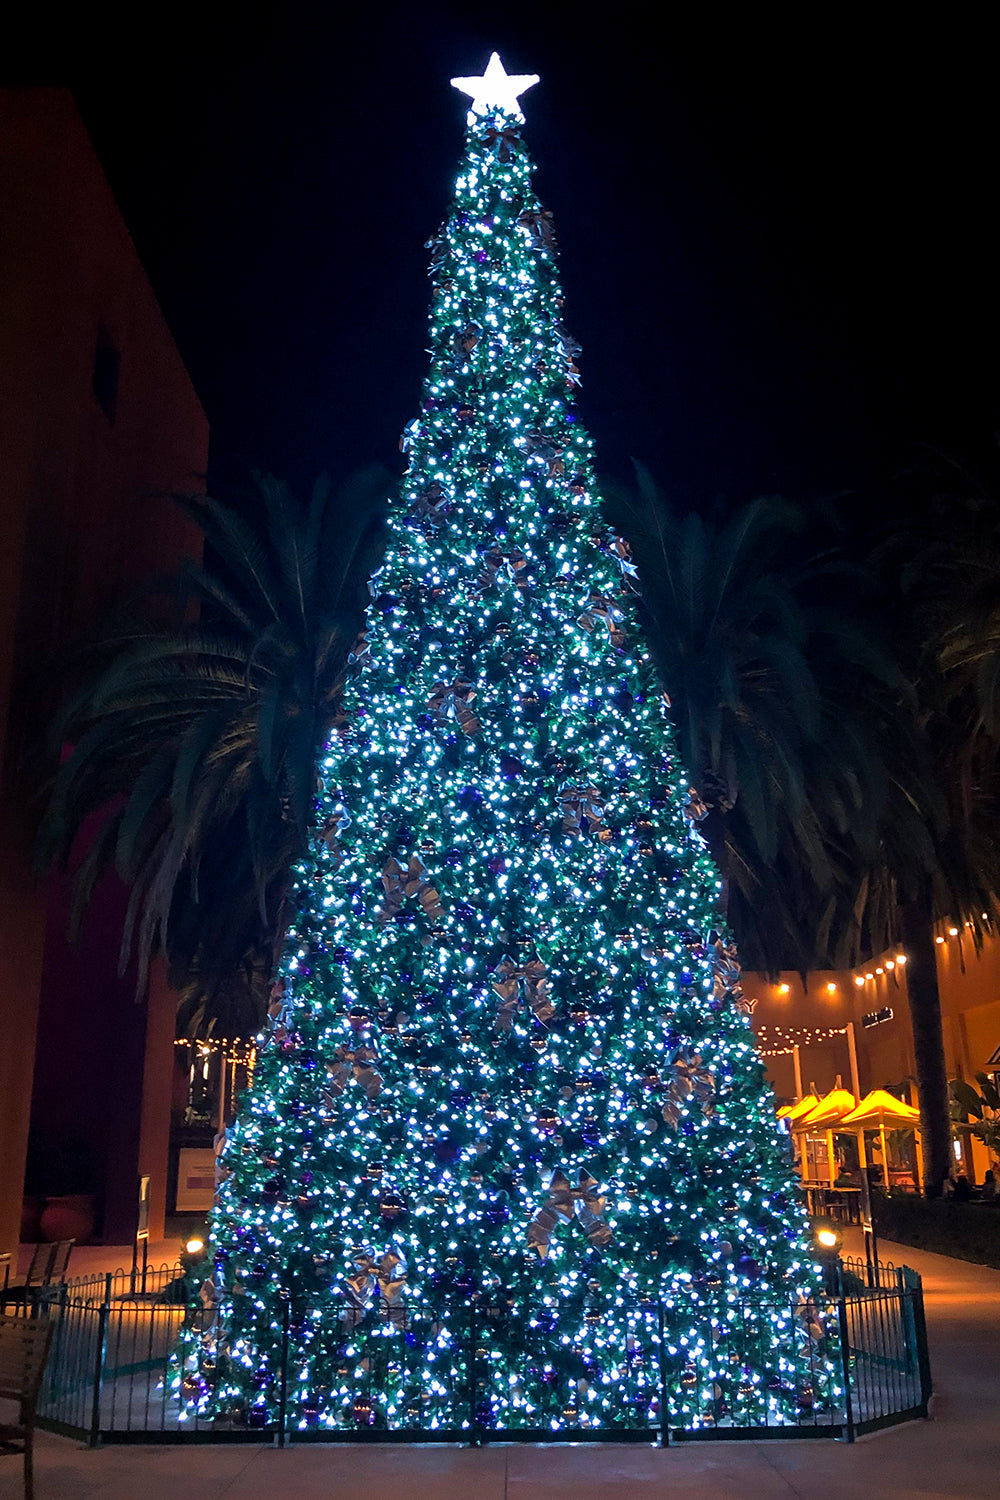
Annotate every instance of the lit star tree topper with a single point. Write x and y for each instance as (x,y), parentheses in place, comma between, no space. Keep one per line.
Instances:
(496,89)
(508,1075)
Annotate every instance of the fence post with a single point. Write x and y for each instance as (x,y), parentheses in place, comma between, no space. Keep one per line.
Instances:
(916,1294)
(475,1437)
(281,1435)
(664,1438)
(845,1360)
(103,1317)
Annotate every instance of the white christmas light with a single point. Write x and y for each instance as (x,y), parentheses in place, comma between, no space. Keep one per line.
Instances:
(496,89)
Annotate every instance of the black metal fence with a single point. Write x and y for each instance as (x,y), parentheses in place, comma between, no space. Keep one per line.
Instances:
(110,1377)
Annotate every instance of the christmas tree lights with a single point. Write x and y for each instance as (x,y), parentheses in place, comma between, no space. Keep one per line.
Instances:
(508,1091)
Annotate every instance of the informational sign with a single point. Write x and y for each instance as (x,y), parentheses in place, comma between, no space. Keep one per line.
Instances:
(195,1179)
(876,1017)
(142,1224)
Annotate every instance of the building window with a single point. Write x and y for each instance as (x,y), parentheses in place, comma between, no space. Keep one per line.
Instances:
(107,365)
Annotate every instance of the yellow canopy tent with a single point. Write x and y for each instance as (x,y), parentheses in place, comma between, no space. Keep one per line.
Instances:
(830,1110)
(879,1110)
(791,1112)
(825,1116)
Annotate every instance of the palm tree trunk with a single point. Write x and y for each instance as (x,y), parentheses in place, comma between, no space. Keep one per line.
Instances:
(928,1041)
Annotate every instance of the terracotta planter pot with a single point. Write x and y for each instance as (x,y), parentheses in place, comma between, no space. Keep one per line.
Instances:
(31,1213)
(69,1218)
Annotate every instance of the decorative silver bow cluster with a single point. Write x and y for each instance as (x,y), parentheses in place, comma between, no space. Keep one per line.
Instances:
(358,1063)
(603,607)
(511,980)
(387,1275)
(687,1078)
(208,1297)
(360,653)
(622,553)
(280,1009)
(504,567)
(410,432)
(540,226)
(582,808)
(506,144)
(584,1202)
(454,698)
(694,808)
(571,346)
(431,504)
(726,976)
(330,836)
(547,447)
(402,883)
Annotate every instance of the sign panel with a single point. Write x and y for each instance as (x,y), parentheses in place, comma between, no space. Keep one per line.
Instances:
(195,1179)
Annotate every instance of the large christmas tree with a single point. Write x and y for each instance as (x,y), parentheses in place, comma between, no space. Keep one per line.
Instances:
(508,1114)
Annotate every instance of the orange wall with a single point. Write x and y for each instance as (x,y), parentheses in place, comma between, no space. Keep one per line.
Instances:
(788,1011)
(78,518)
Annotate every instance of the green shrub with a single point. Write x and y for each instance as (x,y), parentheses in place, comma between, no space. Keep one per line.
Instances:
(967,1231)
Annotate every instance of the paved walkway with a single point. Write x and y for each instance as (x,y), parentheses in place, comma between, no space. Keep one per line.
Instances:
(956,1456)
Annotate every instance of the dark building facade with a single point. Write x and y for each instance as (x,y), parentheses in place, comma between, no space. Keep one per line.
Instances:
(98,419)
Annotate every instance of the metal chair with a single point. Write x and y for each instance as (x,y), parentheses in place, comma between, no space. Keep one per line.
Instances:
(24,1348)
(59,1264)
(46,1274)
(37,1275)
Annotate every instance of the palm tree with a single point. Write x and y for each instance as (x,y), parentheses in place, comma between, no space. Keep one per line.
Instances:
(850,807)
(779,691)
(197,737)
(946,557)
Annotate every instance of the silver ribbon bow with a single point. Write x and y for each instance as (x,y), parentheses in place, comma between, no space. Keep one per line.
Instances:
(688,1079)
(540,226)
(361,652)
(504,566)
(725,967)
(330,835)
(358,1063)
(726,976)
(622,553)
(511,979)
(431,504)
(388,1275)
(279,1005)
(506,143)
(582,808)
(403,882)
(694,808)
(208,1297)
(454,698)
(584,1202)
(547,447)
(571,347)
(603,607)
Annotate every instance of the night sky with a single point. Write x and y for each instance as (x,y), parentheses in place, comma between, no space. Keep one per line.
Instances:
(777,239)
